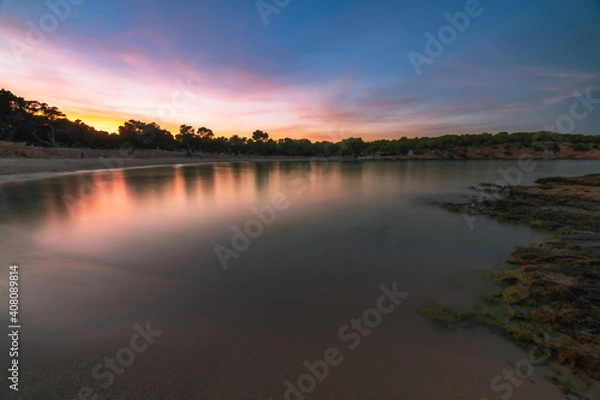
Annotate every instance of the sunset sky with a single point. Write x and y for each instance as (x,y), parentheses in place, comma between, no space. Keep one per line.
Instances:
(319,69)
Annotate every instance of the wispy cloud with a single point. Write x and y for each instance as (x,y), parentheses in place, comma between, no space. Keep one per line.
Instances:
(308,75)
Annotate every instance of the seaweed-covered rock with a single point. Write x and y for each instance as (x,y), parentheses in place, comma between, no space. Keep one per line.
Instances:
(550,296)
(556,203)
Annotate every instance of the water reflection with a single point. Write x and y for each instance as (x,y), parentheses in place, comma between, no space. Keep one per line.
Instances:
(101,251)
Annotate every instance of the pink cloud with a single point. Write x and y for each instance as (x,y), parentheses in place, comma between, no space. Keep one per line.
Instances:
(85,77)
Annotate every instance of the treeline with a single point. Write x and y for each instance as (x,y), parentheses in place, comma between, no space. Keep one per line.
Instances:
(39,124)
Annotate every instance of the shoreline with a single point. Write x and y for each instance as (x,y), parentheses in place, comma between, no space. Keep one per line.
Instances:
(547,295)
(20,161)
(14,169)
(20,169)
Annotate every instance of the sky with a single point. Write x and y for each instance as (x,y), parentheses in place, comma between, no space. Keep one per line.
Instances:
(323,70)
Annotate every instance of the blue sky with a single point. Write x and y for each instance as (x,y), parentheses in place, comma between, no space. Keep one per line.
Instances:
(319,69)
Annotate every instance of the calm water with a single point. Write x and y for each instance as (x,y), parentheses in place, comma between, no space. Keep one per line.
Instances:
(100,252)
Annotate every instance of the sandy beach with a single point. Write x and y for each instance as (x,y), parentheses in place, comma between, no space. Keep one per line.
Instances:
(20,169)
(19,161)
(17,168)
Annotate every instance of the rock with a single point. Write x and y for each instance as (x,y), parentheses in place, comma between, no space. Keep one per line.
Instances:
(530,255)
(550,301)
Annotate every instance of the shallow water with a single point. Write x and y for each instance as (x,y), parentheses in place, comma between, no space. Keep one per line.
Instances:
(102,251)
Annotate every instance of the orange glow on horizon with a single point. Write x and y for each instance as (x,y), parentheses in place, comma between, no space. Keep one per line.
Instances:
(105,96)
(108,124)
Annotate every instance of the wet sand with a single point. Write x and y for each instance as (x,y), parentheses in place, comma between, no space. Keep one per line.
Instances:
(17,169)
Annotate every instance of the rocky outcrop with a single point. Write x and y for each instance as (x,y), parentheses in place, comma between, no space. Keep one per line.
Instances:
(550,292)
(553,204)
(558,282)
